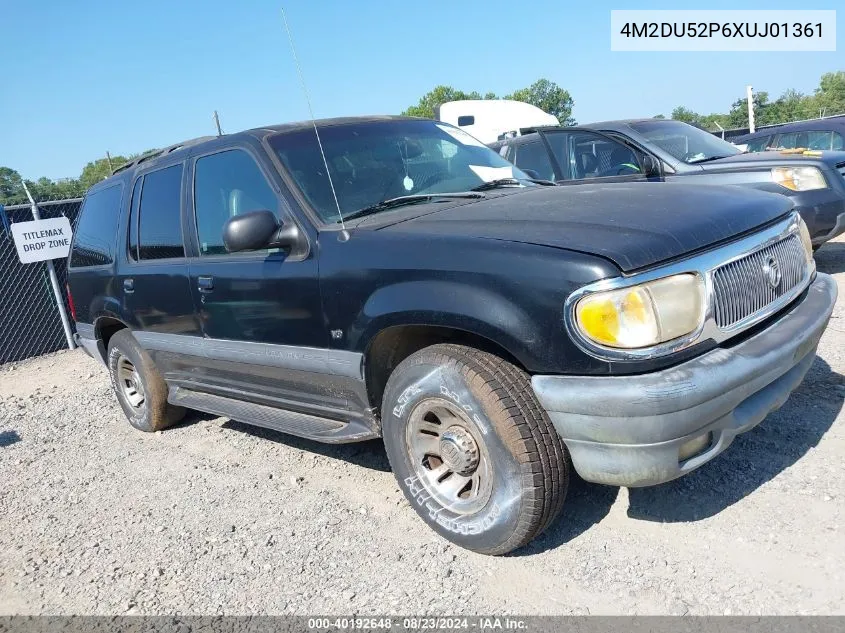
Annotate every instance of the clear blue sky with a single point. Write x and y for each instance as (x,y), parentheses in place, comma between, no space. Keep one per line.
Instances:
(80,78)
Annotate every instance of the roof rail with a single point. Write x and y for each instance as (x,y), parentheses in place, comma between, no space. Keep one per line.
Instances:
(161,152)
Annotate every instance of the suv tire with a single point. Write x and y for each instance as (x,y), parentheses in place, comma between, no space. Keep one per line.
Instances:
(139,387)
(472,449)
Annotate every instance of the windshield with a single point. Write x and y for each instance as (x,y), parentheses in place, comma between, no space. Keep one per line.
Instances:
(685,142)
(373,161)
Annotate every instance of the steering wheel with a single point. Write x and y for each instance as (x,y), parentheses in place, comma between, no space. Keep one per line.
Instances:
(430,180)
(623,169)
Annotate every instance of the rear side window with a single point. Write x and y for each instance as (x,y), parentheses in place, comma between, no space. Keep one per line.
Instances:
(159,215)
(93,243)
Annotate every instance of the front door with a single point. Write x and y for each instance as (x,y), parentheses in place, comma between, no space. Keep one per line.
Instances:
(582,156)
(261,315)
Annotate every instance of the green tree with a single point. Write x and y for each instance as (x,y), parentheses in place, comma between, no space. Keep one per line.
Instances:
(829,97)
(686,115)
(763,112)
(97,170)
(11,189)
(544,94)
(46,189)
(438,96)
(549,97)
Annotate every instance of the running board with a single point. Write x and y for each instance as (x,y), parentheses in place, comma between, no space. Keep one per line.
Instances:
(311,427)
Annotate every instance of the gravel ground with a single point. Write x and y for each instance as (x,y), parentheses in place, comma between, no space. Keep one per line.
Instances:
(213,516)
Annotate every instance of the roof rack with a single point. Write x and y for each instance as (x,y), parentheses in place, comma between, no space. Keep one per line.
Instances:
(161,152)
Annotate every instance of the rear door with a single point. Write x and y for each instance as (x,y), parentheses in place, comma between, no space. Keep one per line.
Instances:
(153,275)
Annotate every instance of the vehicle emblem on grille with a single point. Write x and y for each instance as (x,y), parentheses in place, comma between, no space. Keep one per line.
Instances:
(771,271)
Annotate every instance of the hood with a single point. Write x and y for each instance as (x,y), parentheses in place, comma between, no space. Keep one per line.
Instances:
(774,158)
(634,225)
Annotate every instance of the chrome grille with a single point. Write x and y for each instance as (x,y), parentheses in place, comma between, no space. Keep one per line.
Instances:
(741,288)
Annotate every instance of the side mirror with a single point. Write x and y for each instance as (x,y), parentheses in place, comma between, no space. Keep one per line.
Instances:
(256,230)
(652,167)
(531,173)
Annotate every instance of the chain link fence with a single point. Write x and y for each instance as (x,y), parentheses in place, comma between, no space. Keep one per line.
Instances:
(30,324)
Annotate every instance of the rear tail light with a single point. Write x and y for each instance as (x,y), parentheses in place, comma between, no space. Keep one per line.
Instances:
(70,302)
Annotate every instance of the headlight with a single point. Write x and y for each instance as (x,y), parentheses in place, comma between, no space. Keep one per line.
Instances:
(806,242)
(643,315)
(799,178)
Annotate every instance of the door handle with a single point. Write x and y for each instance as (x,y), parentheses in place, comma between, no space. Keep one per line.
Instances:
(128,285)
(205,284)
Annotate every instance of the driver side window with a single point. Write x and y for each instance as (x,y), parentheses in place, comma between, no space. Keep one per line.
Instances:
(588,155)
(227,184)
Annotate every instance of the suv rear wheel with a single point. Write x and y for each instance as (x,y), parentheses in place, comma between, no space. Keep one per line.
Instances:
(140,389)
(472,449)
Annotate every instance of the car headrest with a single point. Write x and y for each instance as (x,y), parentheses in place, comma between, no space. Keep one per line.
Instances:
(589,163)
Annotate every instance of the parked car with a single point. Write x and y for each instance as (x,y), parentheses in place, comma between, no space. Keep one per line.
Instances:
(819,134)
(491,331)
(658,149)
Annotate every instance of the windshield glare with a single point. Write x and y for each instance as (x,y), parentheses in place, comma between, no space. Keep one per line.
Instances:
(373,161)
(685,142)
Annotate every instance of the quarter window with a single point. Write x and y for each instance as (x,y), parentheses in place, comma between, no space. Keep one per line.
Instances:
(819,140)
(160,221)
(225,185)
(96,233)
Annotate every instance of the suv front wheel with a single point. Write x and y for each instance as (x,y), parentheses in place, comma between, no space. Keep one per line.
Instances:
(139,387)
(472,449)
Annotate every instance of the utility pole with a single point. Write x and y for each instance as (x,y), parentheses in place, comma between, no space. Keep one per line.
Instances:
(54,280)
(750,97)
(217,123)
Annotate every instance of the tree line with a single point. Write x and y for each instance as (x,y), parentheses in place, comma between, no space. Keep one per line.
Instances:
(12,191)
(544,94)
(827,99)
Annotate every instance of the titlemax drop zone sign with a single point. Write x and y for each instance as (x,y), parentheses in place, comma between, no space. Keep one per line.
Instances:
(39,240)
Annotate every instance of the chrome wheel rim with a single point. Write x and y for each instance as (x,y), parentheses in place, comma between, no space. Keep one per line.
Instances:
(129,382)
(448,457)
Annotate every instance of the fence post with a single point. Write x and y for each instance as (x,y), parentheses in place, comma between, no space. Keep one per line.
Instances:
(54,280)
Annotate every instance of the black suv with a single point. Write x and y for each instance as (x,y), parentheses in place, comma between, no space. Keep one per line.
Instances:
(658,149)
(491,330)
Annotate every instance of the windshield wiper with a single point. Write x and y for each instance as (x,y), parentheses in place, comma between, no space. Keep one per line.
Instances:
(496,184)
(511,182)
(707,160)
(392,203)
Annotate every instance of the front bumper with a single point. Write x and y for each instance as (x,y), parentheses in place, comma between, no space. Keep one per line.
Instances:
(838,229)
(632,430)
(823,211)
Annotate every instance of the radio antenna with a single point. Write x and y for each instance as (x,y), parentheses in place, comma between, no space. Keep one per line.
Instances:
(314,123)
